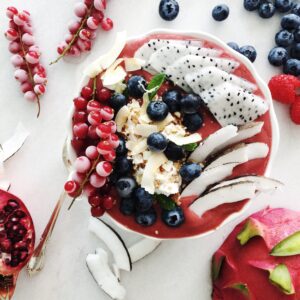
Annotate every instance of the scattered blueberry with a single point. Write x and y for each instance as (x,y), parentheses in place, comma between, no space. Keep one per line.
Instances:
(136,86)
(123,165)
(190,171)
(125,186)
(114,177)
(147,218)
(249,52)
(251,5)
(190,103)
(297,36)
(174,152)
(157,110)
(172,98)
(283,6)
(220,12)
(284,38)
(278,56)
(295,51)
(144,200)
(157,142)
(121,149)
(292,67)
(266,10)
(117,101)
(192,122)
(234,46)
(290,21)
(174,217)
(168,9)
(127,206)
(296,9)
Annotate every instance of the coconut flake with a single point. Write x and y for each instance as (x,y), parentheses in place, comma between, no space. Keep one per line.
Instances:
(121,117)
(143,248)
(134,64)
(145,130)
(184,140)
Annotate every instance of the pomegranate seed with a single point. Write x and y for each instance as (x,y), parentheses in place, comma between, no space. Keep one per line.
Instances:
(89,190)
(92,23)
(107,24)
(14,47)
(80,130)
(21,75)
(17,60)
(103,130)
(114,140)
(94,201)
(85,34)
(104,147)
(86,92)
(11,34)
(30,95)
(104,168)
(80,103)
(80,9)
(82,164)
(39,89)
(92,133)
(91,152)
(108,202)
(97,181)
(104,94)
(28,39)
(100,5)
(97,211)
(32,57)
(99,15)
(107,113)
(112,125)
(79,117)
(94,117)
(93,105)
(11,11)
(111,156)
(71,186)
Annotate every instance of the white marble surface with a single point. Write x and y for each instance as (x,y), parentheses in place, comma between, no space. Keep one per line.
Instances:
(178,269)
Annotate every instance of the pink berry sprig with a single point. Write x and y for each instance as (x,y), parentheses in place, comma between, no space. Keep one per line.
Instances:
(90,15)
(26,55)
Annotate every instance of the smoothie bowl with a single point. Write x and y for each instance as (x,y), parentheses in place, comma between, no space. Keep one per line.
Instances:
(171,134)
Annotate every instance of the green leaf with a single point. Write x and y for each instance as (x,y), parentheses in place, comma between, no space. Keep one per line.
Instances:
(190,147)
(165,202)
(154,85)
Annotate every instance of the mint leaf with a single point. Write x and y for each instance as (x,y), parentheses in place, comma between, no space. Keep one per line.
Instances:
(154,85)
(165,202)
(190,147)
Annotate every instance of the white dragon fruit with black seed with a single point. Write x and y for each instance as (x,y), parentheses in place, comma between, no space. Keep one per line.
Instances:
(166,55)
(209,77)
(145,51)
(231,104)
(192,63)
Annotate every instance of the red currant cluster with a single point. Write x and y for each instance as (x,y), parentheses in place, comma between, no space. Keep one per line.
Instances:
(95,141)
(26,55)
(90,15)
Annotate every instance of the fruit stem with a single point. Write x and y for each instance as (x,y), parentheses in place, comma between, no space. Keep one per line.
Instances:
(71,43)
(85,180)
(36,261)
(29,73)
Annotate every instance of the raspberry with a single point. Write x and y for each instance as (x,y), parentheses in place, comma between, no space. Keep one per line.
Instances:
(283,88)
(295,111)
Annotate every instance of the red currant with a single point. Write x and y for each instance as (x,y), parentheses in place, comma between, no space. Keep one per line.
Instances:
(110,156)
(80,103)
(95,201)
(108,202)
(71,186)
(107,113)
(80,130)
(86,92)
(92,133)
(93,105)
(97,211)
(107,24)
(104,94)
(104,147)
(94,117)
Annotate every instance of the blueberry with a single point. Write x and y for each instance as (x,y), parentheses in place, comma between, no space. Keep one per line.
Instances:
(234,46)
(121,149)
(136,86)
(251,5)
(174,152)
(127,206)
(284,38)
(174,217)
(114,177)
(172,99)
(123,165)
(147,218)
(297,36)
(283,6)
(192,122)
(220,12)
(278,56)
(125,186)
(190,103)
(292,67)
(266,10)
(249,52)
(296,9)
(157,142)
(168,9)
(290,21)
(157,110)
(144,200)
(117,101)
(190,171)
(295,51)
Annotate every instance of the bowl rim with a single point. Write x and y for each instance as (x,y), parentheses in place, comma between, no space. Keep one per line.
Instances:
(263,87)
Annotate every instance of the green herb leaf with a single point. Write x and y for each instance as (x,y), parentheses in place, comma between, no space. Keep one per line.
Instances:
(154,85)
(165,202)
(190,147)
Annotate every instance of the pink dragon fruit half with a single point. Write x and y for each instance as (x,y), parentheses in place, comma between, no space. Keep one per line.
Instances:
(260,259)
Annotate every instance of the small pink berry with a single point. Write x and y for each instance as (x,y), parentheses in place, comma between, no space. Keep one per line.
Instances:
(85,34)
(114,140)
(71,186)
(61,48)
(80,9)
(84,45)
(93,105)
(93,34)
(97,181)
(99,15)
(32,57)
(12,25)
(86,92)
(26,87)
(78,177)
(100,4)
(104,147)
(74,51)
(39,89)
(92,23)
(107,24)
(94,117)
(91,152)
(79,117)
(28,39)
(103,131)
(80,103)
(14,47)
(39,69)
(11,34)
(30,95)
(107,113)
(104,168)
(80,130)
(82,164)
(35,48)
(27,28)
(112,125)
(21,75)
(104,94)
(21,18)
(17,60)
(111,156)
(74,26)
(40,78)
(92,132)
(11,11)
(69,37)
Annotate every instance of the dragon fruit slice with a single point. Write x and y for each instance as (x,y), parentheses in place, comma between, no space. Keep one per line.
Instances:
(245,258)
(232,105)
(191,63)
(145,51)
(166,56)
(209,77)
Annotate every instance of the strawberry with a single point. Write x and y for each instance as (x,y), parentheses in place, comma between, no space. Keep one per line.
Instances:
(295,111)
